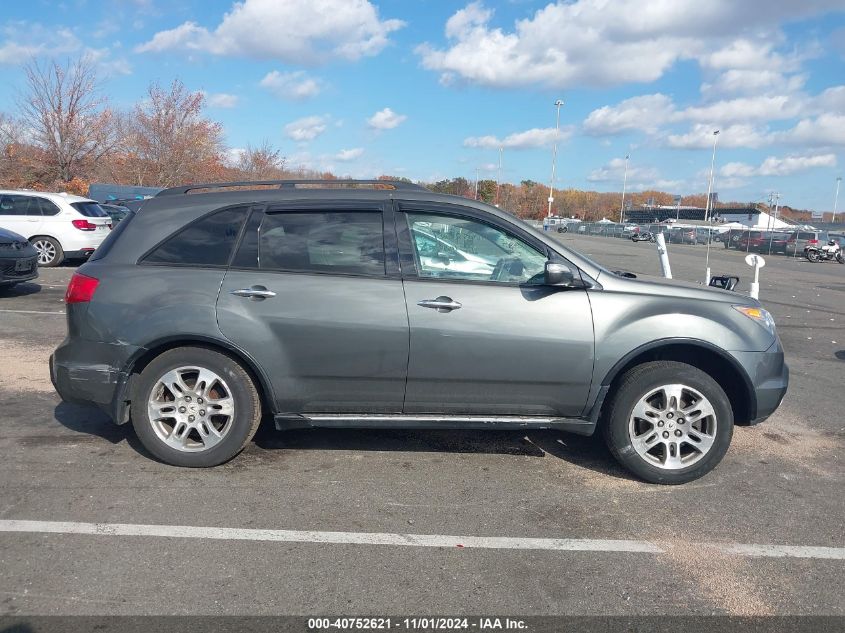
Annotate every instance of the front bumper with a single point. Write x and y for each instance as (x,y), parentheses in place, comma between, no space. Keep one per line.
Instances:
(769,376)
(8,274)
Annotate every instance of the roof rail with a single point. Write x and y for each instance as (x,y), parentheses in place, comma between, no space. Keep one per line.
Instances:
(290,184)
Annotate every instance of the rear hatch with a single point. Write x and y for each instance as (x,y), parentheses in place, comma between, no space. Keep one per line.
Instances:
(95,215)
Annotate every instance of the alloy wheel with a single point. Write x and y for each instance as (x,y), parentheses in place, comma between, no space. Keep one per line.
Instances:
(46,251)
(191,409)
(672,427)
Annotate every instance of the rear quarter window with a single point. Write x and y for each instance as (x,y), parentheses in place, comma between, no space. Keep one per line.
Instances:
(208,241)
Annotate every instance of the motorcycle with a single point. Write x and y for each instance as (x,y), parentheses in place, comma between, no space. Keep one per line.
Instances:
(645,236)
(829,251)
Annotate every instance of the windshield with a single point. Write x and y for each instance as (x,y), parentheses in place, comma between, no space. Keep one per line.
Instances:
(90,209)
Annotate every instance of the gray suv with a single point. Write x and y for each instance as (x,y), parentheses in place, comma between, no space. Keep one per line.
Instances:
(382,304)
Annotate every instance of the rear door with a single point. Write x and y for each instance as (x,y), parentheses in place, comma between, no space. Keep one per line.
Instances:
(315,296)
(487,337)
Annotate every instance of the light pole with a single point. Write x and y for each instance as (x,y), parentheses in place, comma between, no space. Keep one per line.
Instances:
(624,186)
(708,206)
(836,199)
(558,103)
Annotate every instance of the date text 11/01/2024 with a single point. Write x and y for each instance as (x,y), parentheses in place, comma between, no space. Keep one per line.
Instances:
(416,624)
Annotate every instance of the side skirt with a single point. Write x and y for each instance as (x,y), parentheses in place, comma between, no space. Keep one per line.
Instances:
(410,421)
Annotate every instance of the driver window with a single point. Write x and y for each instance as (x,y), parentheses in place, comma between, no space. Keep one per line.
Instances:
(453,247)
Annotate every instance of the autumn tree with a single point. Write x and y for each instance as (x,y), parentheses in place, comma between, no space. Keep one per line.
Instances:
(168,141)
(69,118)
(261,163)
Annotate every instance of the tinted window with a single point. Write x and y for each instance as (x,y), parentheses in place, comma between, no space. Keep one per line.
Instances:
(89,209)
(47,207)
(207,242)
(19,205)
(461,248)
(333,242)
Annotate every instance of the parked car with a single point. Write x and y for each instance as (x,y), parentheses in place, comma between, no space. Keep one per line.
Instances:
(799,240)
(18,259)
(316,306)
(60,226)
(115,212)
(681,235)
(751,241)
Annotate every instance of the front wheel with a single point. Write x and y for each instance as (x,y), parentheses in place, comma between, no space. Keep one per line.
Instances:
(668,422)
(195,407)
(813,256)
(562,229)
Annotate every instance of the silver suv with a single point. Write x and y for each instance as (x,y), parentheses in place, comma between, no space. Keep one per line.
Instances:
(381,304)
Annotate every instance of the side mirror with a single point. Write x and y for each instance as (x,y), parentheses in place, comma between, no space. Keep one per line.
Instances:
(557,274)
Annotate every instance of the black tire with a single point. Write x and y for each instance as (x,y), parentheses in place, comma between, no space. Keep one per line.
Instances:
(59,254)
(812,256)
(840,257)
(635,384)
(246,401)
(562,229)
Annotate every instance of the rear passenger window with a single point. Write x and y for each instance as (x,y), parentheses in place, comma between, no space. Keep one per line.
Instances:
(342,242)
(47,207)
(207,242)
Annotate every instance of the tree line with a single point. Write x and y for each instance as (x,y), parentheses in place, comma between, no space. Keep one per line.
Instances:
(65,134)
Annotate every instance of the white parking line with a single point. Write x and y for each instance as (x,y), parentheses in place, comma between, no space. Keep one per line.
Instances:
(402,540)
(33,311)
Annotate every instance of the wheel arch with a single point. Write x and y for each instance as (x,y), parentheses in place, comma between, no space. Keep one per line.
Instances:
(704,356)
(138,361)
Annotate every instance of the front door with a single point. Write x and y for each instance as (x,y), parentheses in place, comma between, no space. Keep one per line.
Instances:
(21,214)
(312,297)
(487,337)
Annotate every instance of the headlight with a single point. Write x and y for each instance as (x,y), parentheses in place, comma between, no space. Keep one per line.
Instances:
(759,315)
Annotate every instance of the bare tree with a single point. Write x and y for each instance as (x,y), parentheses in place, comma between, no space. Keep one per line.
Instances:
(68,118)
(262,163)
(167,140)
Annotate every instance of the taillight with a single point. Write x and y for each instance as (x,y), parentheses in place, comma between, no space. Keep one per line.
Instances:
(81,288)
(812,241)
(84,225)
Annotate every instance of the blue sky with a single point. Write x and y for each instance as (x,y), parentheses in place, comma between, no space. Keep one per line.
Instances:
(431,89)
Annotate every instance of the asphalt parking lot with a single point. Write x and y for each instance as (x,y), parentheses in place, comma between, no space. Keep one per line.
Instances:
(331,511)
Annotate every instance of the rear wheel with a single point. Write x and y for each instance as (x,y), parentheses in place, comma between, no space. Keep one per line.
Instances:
(812,255)
(561,229)
(50,252)
(195,407)
(840,257)
(668,422)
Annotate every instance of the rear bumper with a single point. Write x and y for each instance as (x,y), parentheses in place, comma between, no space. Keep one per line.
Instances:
(85,372)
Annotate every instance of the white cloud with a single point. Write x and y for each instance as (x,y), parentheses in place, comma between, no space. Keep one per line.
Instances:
(775,166)
(345,155)
(306,129)
(222,100)
(385,119)
(645,112)
(292,85)
(826,130)
(614,171)
(756,82)
(595,42)
(535,137)
(294,31)
(701,136)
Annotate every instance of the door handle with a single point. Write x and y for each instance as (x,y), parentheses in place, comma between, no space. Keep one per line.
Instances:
(254,293)
(441,304)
